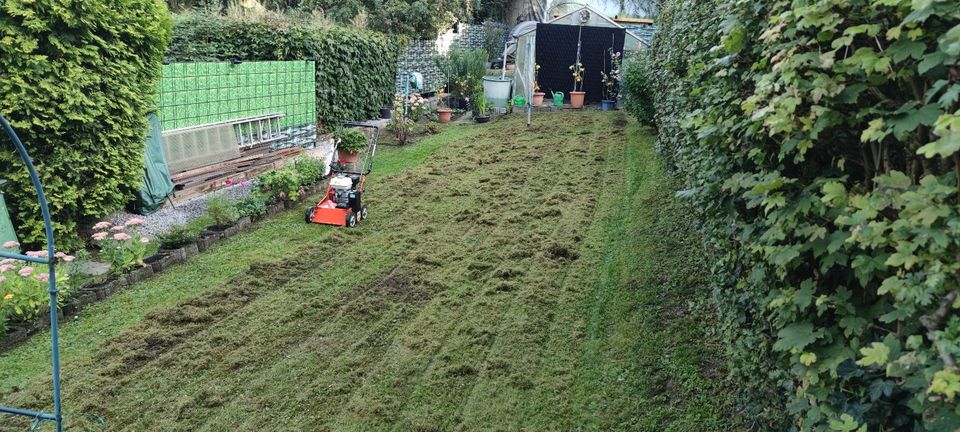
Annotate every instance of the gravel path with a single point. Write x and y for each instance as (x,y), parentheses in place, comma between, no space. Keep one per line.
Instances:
(184,212)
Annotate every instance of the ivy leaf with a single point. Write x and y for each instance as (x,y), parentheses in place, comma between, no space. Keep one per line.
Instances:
(881,388)
(845,424)
(808,358)
(876,353)
(903,49)
(912,117)
(797,335)
(946,383)
(943,147)
(931,61)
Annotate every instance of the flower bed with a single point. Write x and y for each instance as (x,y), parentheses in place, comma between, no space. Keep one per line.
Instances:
(23,287)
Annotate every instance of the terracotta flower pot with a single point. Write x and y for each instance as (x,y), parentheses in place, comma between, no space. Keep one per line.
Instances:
(537,98)
(444,114)
(576,99)
(347,157)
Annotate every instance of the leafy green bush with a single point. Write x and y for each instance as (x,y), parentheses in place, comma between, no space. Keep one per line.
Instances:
(77,82)
(819,144)
(355,68)
(280,186)
(638,88)
(310,170)
(178,237)
(252,206)
(352,140)
(463,69)
(221,211)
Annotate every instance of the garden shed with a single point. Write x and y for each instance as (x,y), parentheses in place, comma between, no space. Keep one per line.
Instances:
(556,50)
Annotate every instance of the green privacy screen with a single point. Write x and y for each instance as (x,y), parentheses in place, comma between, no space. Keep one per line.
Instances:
(193,94)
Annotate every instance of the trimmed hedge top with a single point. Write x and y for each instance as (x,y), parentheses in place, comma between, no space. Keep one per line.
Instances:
(77,80)
(355,68)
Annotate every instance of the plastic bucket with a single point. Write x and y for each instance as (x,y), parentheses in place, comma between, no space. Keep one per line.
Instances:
(497,91)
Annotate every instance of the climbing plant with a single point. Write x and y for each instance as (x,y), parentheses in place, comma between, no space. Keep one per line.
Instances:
(77,80)
(819,143)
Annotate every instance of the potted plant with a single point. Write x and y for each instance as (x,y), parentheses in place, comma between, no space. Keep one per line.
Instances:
(537,94)
(611,82)
(351,143)
(480,113)
(443,112)
(577,95)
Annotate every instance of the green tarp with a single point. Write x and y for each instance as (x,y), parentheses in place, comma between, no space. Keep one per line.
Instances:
(157,185)
(6,228)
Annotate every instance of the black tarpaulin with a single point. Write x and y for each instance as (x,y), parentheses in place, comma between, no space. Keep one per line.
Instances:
(557,50)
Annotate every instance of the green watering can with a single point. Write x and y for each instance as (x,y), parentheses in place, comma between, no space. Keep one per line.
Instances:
(519,101)
(557,98)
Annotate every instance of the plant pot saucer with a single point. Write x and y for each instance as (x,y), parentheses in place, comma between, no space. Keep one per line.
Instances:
(482,119)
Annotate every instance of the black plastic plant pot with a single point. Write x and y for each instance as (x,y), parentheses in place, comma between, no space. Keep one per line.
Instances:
(386,112)
(482,119)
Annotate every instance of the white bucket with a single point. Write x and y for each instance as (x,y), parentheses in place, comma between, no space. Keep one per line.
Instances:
(497,90)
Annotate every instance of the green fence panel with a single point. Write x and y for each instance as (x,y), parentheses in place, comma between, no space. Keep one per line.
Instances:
(193,94)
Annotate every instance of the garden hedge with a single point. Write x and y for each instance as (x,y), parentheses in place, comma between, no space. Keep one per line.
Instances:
(77,80)
(820,144)
(355,68)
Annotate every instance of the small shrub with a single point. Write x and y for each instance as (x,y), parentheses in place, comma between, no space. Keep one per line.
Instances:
(310,170)
(280,186)
(178,237)
(352,140)
(638,88)
(24,286)
(479,104)
(121,246)
(252,206)
(221,211)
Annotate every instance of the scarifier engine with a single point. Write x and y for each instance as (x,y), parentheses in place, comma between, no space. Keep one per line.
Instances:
(343,203)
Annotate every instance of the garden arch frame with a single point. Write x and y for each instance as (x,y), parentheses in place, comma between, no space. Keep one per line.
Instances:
(50,261)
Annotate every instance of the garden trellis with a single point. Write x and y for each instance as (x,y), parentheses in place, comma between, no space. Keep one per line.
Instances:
(50,261)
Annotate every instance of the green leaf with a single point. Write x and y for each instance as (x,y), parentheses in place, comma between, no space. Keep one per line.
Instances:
(846,423)
(945,382)
(943,147)
(795,336)
(875,354)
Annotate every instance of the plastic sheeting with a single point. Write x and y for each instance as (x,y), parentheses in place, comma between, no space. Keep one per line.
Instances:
(157,185)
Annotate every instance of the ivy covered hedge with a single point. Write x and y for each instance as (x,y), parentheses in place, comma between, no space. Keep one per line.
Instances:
(355,68)
(820,144)
(77,80)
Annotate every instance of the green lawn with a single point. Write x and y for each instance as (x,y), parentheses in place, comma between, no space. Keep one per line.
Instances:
(509,278)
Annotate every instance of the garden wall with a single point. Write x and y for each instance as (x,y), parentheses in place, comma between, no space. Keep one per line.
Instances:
(354,68)
(419,53)
(819,144)
(193,94)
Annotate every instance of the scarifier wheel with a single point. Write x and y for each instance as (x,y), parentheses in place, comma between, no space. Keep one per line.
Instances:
(351,220)
(363,213)
(309,215)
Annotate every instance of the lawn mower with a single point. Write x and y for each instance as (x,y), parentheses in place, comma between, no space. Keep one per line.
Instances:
(343,203)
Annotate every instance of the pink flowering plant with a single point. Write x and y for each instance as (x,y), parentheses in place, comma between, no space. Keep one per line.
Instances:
(121,246)
(24,286)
